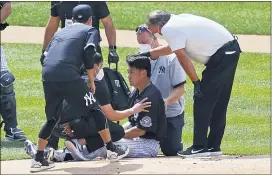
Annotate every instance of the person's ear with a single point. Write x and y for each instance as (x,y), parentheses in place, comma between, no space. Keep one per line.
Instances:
(143,73)
(159,29)
(90,21)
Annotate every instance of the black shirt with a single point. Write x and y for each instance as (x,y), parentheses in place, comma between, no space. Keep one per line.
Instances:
(63,10)
(102,93)
(68,112)
(65,54)
(154,121)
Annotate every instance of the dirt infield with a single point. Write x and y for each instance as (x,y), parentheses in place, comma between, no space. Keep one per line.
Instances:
(125,38)
(160,165)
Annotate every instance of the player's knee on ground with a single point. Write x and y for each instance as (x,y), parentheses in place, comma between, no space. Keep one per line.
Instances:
(170,149)
(169,152)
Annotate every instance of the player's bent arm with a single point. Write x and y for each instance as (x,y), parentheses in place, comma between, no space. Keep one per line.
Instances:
(116,115)
(133,133)
(175,94)
(5,11)
(50,29)
(187,64)
(109,30)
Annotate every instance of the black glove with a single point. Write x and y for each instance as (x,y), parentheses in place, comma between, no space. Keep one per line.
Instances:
(113,56)
(3,26)
(42,57)
(197,89)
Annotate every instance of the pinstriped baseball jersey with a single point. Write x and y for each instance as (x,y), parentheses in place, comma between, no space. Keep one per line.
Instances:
(140,147)
(152,122)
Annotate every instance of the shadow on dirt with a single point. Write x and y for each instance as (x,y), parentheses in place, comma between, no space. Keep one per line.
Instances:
(111,168)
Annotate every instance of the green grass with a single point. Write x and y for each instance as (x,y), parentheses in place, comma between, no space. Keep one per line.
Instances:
(247,131)
(238,17)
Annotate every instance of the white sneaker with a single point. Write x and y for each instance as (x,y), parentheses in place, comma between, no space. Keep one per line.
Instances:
(40,166)
(30,148)
(59,155)
(215,151)
(119,152)
(55,155)
(99,153)
(75,148)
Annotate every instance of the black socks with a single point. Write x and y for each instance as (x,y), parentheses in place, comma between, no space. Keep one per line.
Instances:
(110,146)
(39,156)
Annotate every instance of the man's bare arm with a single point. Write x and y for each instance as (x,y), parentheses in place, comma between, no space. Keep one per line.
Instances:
(175,95)
(115,115)
(50,29)
(109,30)
(5,11)
(187,64)
(160,51)
(133,133)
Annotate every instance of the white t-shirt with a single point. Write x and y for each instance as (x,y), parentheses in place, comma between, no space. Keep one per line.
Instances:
(199,36)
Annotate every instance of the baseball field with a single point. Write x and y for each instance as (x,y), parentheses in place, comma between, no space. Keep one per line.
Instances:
(248,121)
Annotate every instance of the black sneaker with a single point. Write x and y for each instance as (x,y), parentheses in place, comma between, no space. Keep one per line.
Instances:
(215,151)
(15,134)
(194,152)
(119,152)
(37,166)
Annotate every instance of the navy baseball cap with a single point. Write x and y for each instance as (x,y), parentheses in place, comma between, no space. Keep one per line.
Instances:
(82,12)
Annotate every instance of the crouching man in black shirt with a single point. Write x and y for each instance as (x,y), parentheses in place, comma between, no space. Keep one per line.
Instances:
(145,129)
(69,49)
(83,142)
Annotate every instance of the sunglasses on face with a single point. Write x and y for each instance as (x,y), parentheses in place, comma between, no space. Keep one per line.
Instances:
(141,29)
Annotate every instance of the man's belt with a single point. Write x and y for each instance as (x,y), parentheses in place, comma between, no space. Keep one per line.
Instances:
(66,129)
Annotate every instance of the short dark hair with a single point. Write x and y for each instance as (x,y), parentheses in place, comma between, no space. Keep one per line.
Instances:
(140,62)
(97,58)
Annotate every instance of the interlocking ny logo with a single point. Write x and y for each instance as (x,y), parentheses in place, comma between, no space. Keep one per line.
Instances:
(89,99)
(117,83)
(161,69)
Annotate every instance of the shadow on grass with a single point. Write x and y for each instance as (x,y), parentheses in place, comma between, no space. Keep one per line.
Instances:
(111,168)
(11,144)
